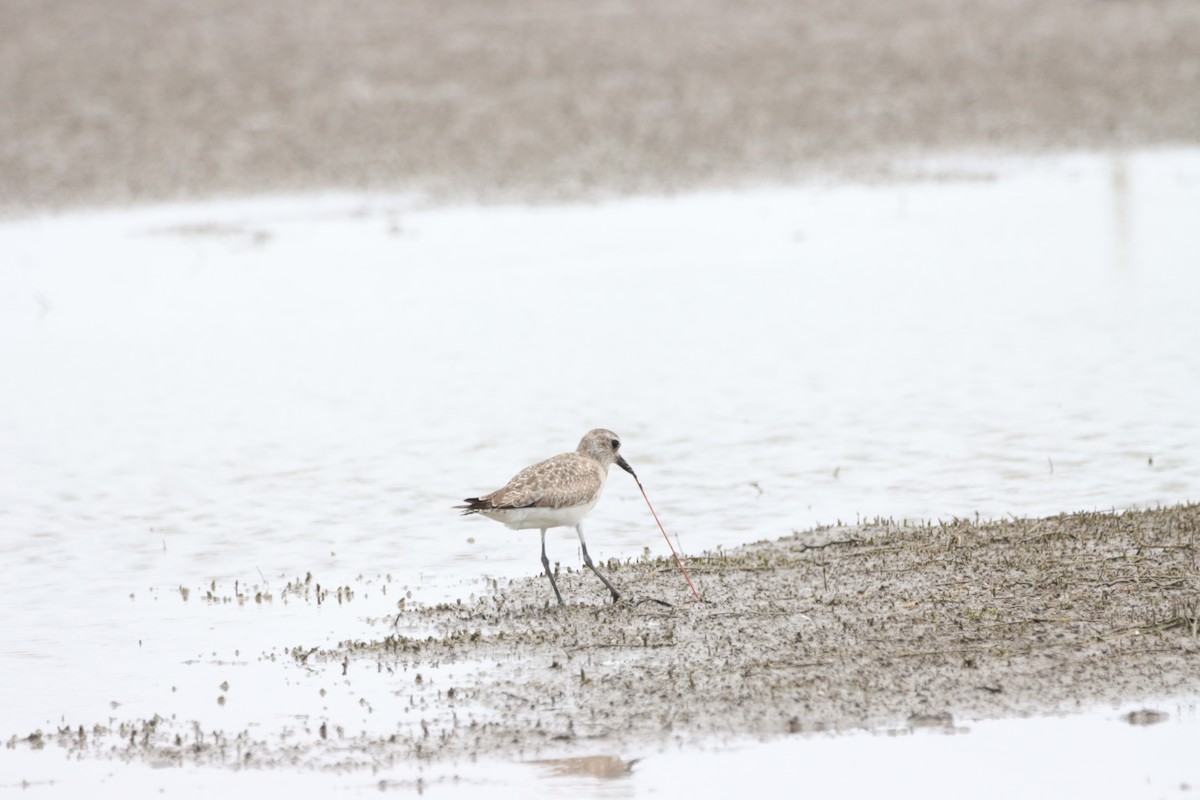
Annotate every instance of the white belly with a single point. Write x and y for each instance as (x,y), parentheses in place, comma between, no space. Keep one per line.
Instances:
(524,518)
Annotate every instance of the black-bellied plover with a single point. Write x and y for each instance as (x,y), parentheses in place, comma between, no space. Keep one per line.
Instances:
(557,492)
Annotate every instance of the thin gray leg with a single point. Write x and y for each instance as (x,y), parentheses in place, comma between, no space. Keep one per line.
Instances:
(588,560)
(549,574)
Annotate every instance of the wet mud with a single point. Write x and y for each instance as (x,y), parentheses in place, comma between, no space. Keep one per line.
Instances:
(875,626)
(134,101)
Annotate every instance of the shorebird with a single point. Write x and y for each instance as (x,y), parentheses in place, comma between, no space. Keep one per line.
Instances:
(555,493)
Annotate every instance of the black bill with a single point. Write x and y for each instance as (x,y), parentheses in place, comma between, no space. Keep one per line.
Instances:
(623,464)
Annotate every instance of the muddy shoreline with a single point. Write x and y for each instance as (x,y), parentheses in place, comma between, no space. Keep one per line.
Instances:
(133,101)
(867,627)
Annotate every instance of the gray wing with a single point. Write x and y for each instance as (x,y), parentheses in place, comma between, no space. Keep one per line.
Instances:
(565,480)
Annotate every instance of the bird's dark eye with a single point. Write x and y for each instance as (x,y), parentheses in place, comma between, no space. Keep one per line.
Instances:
(615,444)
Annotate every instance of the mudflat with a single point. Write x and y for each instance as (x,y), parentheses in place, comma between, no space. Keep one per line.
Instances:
(135,101)
(865,626)
(858,627)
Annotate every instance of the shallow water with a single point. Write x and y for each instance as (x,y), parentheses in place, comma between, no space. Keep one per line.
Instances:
(1098,754)
(253,390)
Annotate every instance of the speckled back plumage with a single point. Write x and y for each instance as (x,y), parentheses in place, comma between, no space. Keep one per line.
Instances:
(566,480)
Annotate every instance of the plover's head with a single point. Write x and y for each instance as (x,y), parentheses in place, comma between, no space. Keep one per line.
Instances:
(604,446)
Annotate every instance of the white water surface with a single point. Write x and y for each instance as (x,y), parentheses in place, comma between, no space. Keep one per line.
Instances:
(255,390)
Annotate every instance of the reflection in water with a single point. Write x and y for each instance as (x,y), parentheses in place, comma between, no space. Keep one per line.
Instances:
(600,767)
(1121,226)
(933,721)
(1146,716)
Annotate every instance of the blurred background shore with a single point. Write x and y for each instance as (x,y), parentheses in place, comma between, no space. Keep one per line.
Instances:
(136,101)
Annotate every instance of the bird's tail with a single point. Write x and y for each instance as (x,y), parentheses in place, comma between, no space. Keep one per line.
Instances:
(473,505)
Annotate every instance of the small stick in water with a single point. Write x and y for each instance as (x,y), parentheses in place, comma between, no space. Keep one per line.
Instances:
(686,577)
